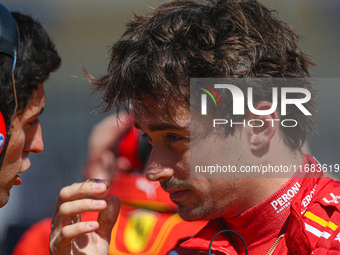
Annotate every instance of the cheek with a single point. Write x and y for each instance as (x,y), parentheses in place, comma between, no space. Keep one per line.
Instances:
(218,193)
(15,147)
(4,197)
(183,166)
(203,189)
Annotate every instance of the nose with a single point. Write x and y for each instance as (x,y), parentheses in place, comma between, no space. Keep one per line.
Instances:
(159,167)
(35,141)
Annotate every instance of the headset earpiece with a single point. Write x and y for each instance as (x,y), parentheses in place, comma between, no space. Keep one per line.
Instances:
(2,131)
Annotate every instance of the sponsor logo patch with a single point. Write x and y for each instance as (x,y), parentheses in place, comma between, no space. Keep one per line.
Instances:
(332,200)
(284,201)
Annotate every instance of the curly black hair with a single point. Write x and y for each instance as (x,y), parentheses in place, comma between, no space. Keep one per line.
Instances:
(159,53)
(37,58)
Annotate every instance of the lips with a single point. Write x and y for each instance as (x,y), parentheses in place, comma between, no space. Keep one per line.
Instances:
(17,180)
(177,195)
(178,189)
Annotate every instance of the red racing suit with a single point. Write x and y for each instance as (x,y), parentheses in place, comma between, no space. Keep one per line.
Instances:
(302,217)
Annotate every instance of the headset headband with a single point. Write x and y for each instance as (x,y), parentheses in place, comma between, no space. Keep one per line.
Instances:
(9,35)
(9,45)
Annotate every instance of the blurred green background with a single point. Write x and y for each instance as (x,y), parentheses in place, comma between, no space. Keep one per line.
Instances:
(83,31)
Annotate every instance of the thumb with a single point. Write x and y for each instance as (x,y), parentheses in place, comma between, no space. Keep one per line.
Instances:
(108,218)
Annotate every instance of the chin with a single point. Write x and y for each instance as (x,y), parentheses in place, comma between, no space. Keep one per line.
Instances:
(192,213)
(3,199)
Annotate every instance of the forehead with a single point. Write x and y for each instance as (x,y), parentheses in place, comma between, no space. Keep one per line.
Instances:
(151,116)
(37,102)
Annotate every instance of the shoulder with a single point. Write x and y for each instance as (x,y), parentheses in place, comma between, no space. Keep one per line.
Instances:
(319,222)
(35,240)
(329,194)
(322,218)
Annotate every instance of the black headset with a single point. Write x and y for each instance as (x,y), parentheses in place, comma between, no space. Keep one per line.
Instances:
(9,45)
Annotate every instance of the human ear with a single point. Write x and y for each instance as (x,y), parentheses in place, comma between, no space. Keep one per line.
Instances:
(262,128)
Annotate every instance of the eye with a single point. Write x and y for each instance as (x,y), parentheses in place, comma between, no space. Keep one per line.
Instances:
(175,138)
(145,137)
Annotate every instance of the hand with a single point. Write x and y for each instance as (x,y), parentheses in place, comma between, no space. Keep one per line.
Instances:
(101,158)
(71,236)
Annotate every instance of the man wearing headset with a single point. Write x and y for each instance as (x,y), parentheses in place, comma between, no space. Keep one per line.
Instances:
(27,57)
(28,53)
(151,67)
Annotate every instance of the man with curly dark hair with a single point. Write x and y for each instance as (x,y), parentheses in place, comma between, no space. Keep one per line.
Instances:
(35,60)
(151,68)
(27,57)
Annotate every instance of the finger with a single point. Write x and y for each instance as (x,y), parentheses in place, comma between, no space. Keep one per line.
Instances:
(80,206)
(108,218)
(70,232)
(69,211)
(93,187)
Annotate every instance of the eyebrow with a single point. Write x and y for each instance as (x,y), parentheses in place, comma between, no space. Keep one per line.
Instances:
(162,126)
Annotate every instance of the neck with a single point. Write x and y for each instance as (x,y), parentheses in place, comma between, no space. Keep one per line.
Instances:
(263,186)
(262,224)
(252,223)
